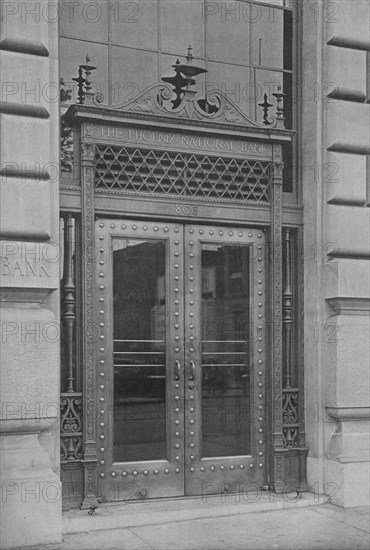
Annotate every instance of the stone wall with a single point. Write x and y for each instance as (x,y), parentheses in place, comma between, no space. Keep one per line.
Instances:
(335,143)
(29,169)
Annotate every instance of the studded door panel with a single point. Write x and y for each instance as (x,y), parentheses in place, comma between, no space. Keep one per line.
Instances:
(225,359)
(122,478)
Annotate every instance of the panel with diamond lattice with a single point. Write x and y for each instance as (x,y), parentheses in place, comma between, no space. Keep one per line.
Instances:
(185,174)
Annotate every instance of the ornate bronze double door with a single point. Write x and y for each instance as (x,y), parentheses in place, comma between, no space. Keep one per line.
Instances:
(180,359)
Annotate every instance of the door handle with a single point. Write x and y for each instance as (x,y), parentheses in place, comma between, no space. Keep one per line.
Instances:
(177,370)
(192,371)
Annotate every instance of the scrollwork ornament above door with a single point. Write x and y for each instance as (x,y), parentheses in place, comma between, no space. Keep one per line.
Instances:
(214,107)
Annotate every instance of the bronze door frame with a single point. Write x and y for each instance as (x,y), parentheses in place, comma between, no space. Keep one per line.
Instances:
(184,472)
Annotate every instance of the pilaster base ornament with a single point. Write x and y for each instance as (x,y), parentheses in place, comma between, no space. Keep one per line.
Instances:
(290,472)
(90,484)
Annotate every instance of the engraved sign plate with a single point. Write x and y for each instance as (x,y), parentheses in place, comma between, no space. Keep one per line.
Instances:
(163,139)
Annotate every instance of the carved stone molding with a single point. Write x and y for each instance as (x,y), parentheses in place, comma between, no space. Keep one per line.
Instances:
(349,305)
(348,413)
(20,45)
(20,109)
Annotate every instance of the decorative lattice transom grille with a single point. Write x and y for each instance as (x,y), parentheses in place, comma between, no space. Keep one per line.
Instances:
(186,174)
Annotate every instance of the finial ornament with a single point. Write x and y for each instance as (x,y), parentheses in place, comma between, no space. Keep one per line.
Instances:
(80,85)
(84,82)
(88,70)
(178,82)
(184,77)
(189,57)
(279,118)
(279,107)
(265,106)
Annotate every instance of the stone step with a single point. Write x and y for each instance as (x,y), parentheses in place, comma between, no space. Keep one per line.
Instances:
(119,515)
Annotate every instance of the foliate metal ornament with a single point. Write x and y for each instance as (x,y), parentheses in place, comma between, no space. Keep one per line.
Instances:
(65,93)
(66,146)
(170,173)
(291,417)
(71,426)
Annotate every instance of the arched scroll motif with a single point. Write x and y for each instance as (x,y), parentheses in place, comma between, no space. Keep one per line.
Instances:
(215,107)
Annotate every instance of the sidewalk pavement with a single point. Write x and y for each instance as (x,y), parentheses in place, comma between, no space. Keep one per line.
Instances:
(194,524)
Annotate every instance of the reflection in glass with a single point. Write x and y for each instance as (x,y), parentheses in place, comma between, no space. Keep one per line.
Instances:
(139,317)
(225,350)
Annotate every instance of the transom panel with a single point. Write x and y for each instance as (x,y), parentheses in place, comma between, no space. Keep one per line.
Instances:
(179,173)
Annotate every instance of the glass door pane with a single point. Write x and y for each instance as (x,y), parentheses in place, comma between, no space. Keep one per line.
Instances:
(139,314)
(226,395)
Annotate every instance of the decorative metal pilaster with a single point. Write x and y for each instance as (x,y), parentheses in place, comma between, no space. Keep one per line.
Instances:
(70,401)
(290,395)
(287,309)
(302,451)
(300,338)
(291,459)
(69,300)
(276,305)
(89,386)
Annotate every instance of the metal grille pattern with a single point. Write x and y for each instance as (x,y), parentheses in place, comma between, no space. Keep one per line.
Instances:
(184,174)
